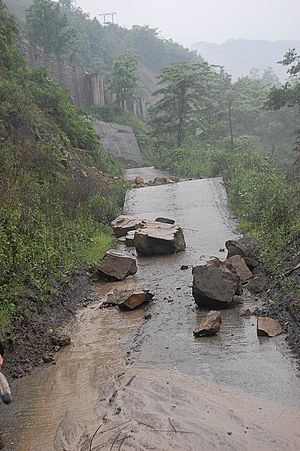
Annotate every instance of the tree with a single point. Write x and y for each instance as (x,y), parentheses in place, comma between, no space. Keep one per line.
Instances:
(288,95)
(9,55)
(123,77)
(47,26)
(178,108)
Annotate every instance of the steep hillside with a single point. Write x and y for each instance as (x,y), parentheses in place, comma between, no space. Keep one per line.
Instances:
(239,56)
(57,185)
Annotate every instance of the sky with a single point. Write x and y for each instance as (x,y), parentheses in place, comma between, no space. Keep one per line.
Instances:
(189,21)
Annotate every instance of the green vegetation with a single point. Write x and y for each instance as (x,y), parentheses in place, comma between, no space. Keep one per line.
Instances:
(53,198)
(123,78)
(49,28)
(213,130)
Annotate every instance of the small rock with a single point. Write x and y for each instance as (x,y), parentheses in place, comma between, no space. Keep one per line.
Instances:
(116,266)
(132,300)
(245,312)
(165,220)
(148,316)
(268,327)
(160,181)
(184,267)
(257,285)
(175,179)
(222,249)
(61,340)
(139,181)
(210,325)
(48,357)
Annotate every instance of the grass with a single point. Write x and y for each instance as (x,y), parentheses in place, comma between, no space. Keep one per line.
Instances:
(99,244)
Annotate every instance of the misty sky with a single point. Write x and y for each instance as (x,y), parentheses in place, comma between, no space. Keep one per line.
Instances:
(188,21)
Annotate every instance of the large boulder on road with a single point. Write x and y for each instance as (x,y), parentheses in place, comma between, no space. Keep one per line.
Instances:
(116,266)
(124,223)
(157,238)
(210,325)
(215,283)
(241,268)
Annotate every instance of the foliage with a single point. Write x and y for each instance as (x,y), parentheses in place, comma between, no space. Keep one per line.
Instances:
(48,27)
(123,78)
(48,154)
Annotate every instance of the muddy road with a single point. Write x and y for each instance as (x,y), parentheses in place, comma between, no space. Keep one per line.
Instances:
(133,384)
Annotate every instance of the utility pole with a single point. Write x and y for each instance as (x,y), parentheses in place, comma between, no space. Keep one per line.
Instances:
(105,15)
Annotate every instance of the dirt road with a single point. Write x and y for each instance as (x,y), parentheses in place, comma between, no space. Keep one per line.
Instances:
(149,384)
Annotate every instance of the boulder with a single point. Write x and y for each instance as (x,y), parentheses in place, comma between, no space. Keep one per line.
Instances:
(123,224)
(241,268)
(132,300)
(116,266)
(165,220)
(268,327)
(239,248)
(215,283)
(160,181)
(257,285)
(245,312)
(159,238)
(210,325)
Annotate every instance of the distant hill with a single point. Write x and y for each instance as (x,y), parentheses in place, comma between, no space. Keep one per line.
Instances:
(239,56)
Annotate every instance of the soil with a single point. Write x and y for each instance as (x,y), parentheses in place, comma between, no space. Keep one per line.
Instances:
(32,329)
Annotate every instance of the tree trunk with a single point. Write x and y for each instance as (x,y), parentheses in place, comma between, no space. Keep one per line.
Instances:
(230,124)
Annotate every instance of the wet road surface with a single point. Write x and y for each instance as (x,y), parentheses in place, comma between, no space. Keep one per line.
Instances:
(151,384)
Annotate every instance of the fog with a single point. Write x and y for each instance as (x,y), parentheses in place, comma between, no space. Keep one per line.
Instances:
(206,20)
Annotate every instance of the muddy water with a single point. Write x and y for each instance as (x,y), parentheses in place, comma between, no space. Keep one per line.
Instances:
(150,384)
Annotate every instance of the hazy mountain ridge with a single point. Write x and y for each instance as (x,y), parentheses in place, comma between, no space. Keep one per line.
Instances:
(239,56)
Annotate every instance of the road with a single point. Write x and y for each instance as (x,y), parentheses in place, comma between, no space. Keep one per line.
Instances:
(149,384)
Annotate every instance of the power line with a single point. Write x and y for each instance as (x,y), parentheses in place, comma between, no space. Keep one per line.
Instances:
(105,15)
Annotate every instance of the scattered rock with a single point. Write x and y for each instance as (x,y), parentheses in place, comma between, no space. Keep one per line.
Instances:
(158,238)
(165,220)
(257,285)
(236,248)
(139,181)
(268,327)
(240,248)
(215,283)
(134,299)
(60,340)
(245,312)
(48,357)
(241,268)
(160,181)
(116,266)
(123,224)
(210,325)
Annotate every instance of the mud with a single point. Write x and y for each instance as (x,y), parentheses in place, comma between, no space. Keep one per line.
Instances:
(131,384)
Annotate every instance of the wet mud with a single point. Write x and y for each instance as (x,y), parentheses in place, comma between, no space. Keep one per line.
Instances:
(133,384)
